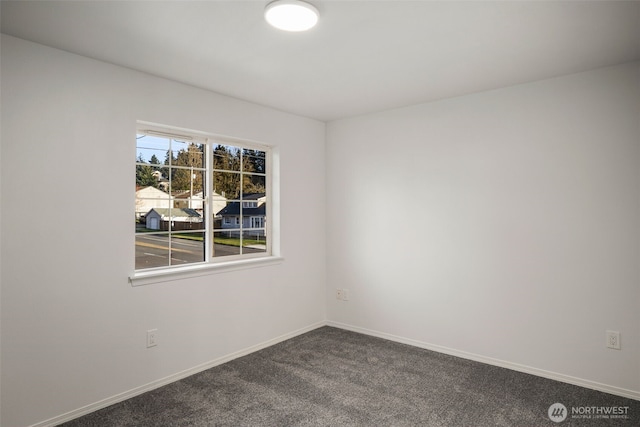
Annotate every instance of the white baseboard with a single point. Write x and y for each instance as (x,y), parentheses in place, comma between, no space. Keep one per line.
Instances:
(171,378)
(631,394)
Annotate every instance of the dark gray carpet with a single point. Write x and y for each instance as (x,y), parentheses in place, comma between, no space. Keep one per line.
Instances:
(332,377)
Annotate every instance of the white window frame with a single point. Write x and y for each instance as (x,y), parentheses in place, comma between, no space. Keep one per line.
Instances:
(211,264)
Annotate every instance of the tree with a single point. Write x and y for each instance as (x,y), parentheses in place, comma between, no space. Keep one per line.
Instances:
(253,161)
(226,174)
(188,179)
(168,160)
(144,174)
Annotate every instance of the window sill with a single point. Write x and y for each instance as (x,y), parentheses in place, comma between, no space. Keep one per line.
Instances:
(150,277)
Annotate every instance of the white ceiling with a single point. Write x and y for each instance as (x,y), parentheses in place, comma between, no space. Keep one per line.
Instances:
(363,56)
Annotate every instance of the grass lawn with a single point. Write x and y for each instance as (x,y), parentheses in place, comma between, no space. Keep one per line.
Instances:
(221,240)
(236,242)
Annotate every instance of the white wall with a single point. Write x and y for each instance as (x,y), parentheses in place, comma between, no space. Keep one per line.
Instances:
(73,329)
(509,230)
(501,225)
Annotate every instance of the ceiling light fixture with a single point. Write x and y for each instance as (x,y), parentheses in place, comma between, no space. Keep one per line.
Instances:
(291,15)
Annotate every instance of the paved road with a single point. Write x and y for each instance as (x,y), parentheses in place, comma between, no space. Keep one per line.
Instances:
(153,251)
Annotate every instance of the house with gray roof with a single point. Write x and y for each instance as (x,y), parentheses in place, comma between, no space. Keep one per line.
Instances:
(175,218)
(248,214)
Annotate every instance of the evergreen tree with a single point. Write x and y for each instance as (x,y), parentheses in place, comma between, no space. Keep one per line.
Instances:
(144,174)
(188,179)
(169,159)
(227,160)
(253,161)
(226,175)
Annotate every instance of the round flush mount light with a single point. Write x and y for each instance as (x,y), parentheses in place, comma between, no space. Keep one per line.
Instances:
(291,15)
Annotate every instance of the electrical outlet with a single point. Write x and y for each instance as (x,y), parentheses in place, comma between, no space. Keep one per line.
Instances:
(152,338)
(613,340)
(342,294)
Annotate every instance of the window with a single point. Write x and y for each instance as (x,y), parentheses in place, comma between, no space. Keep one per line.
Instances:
(257,222)
(200,200)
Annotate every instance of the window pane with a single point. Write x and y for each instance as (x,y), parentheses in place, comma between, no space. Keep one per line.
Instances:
(226,157)
(198,178)
(148,175)
(254,241)
(151,149)
(192,197)
(218,203)
(226,243)
(254,161)
(187,154)
(184,219)
(253,185)
(154,219)
(227,184)
(187,248)
(145,205)
(152,250)
(228,217)
(184,180)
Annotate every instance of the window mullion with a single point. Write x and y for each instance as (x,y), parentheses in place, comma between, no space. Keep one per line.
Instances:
(241,234)
(171,200)
(269,201)
(208,210)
